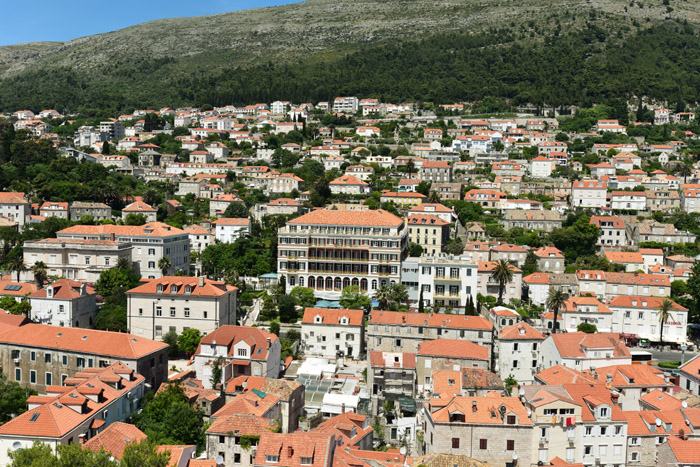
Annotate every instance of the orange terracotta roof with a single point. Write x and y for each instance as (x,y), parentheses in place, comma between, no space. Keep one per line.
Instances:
(153,229)
(560,374)
(290,448)
(378,359)
(487,410)
(425,219)
(114,439)
(628,301)
(379,218)
(572,344)
(242,425)
(661,400)
(229,335)
(350,427)
(520,330)
(331,316)
(183,286)
(453,348)
(430,320)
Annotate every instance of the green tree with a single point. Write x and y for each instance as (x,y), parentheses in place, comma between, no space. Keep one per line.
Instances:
(144,454)
(664,315)
(170,338)
(275,327)
(588,328)
(168,417)
(16,264)
(67,455)
(286,306)
(13,398)
(135,219)
(164,264)
(398,293)
(40,274)
(693,289)
(188,341)
(530,264)
(123,263)
(576,240)
(383,296)
(509,383)
(421,304)
(112,315)
(303,296)
(352,298)
(503,274)
(454,247)
(269,309)
(415,250)
(9,304)
(216,373)
(556,299)
(114,278)
(434,197)
(236,210)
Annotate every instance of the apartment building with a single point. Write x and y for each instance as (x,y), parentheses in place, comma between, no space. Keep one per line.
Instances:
(200,238)
(219,203)
(390,376)
(628,201)
(229,229)
(488,199)
(447,354)
(612,231)
(446,281)
(40,355)
(98,211)
(54,209)
(140,208)
(113,128)
(328,250)
(550,259)
(640,316)
(486,285)
(346,104)
(663,200)
(283,183)
(243,350)
(75,411)
(64,303)
(176,303)
(653,231)
(332,333)
(581,351)
(224,438)
(589,194)
(290,393)
(434,209)
(349,185)
(494,429)
(578,310)
(430,232)
(436,171)
(532,220)
(15,207)
(508,252)
(150,243)
(612,284)
(74,258)
(541,167)
(518,352)
(393,331)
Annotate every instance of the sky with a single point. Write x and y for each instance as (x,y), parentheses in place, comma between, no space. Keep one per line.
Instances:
(52,20)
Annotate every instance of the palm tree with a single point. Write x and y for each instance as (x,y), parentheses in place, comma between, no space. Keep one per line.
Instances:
(664,315)
(164,264)
(40,274)
(123,263)
(16,264)
(555,301)
(434,197)
(410,167)
(383,295)
(685,170)
(502,273)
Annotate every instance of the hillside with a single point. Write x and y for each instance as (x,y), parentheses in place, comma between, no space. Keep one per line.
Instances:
(202,59)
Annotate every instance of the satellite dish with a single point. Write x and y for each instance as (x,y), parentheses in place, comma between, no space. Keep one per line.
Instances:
(402,451)
(684,404)
(521,392)
(219,460)
(658,422)
(245,384)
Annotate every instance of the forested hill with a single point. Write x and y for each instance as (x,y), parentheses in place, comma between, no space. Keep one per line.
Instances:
(536,51)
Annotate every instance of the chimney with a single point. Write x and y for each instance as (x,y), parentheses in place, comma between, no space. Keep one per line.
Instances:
(609,378)
(201,281)
(474,406)
(268,342)
(82,438)
(290,451)
(342,408)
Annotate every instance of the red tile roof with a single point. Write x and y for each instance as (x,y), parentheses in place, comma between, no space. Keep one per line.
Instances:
(454,348)
(242,425)
(331,316)
(572,344)
(425,219)
(430,320)
(184,286)
(520,330)
(290,448)
(371,218)
(487,410)
(63,289)
(379,359)
(114,439)
(229,335)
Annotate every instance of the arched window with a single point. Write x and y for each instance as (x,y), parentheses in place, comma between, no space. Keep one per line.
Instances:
(356,281)
(374,284)
(338,283)
(329,283)
(363,284)
(346,282)
(312,282)
(319,282)
(301,281)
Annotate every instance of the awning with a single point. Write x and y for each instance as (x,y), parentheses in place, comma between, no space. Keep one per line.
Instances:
(96,423)
(240,362)
(407,404)
(626,335)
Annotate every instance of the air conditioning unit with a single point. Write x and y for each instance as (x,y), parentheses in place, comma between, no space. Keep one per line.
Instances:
(16,361)
(543,441)
(597,460)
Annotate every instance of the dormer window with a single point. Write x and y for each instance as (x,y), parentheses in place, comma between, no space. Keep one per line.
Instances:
(318,319)
(604,412)
(173,288)
(188,289)
(272,459)
(160,288)
(306,460)
(343,320)
(49,292)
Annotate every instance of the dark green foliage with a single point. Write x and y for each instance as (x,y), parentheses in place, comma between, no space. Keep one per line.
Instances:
(577,238)
(287,309)
(243,257)
(170,338)
(581,66)
(236,210)
(168,418)
(188,341)
(114,278)
(67,455)
(13,398)
(588,328)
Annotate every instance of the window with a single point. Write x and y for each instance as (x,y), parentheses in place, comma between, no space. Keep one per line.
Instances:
(603,449)
(159,311)
(32,376)
(603,430)
(80,362)
(587,450)
(483,444)
(159,331)
(515,345)
(64,359)
(242,352)
(455,443)
(510,420)
(398,343)
(187,312)
(32,356)
(48,378)
(151,251)
(18,374)
(510,445)
(172,312)
(603,411)
(589,430)
(272,459)
(306,460)
(618,429)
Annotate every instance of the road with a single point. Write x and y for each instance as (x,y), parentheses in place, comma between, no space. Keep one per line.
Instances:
(666,355)
(252,316)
